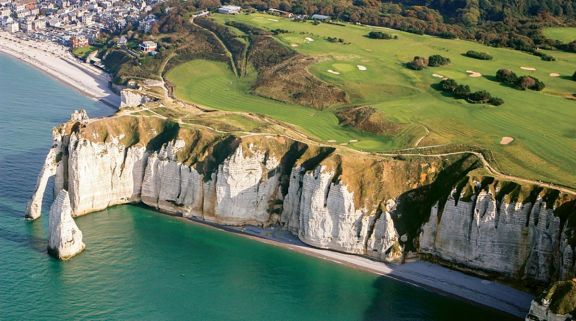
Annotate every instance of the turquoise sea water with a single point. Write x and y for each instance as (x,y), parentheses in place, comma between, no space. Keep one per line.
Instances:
(141,265)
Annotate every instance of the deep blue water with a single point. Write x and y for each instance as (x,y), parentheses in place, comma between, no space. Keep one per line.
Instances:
(141,265)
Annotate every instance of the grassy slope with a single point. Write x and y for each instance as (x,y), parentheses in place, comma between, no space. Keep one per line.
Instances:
(542,123)
(566,34)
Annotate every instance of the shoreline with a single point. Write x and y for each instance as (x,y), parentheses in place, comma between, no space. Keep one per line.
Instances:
(422,274)
(58,63)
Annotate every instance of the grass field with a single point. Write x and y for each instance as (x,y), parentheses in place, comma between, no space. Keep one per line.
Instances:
(564,34)
(543,124)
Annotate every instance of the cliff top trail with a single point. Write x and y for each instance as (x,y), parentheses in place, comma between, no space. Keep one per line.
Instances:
(248,124)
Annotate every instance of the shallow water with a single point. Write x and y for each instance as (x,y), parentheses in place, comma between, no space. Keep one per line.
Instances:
(147,266)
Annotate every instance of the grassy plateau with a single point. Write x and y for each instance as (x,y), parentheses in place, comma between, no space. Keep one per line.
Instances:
(564,34)
(373,73)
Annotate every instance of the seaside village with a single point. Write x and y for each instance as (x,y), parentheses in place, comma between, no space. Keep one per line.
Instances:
(74,23)
(78,24)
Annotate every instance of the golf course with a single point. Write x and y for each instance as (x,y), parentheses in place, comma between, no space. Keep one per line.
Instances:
(531,135)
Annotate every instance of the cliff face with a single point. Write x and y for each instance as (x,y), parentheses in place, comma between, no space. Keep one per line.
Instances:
(520,238)
(368,205)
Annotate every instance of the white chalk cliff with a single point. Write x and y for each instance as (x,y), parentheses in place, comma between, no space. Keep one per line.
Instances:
(372,206)
(65,238)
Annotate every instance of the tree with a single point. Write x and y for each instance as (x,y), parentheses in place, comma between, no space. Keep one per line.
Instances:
(418,63)
(461,91)
(479,97)
(525,82)
(379,35)
(507,77)
(437,60)
(478,55)
(448,85)
(496,101)
(574,76)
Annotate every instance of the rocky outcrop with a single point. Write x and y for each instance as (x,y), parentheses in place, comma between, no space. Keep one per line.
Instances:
(65,238)
(556,303)
(371,205)
(133,98)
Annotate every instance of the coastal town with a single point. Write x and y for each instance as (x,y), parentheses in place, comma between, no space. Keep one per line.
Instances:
(73,23)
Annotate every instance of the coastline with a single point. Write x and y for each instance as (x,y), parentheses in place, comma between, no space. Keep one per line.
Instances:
(57,62)
(433,277)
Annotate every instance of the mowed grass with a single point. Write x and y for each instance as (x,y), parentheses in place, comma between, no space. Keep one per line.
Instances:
(212,84)
(543,124)
(564,34)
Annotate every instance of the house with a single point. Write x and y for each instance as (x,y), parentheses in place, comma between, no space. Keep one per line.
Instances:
(320,17)
(78,41)
(148,46)
(39,24)
(12,27)
(122,42)
(229,9)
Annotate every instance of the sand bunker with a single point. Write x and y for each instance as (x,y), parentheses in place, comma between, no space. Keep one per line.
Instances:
(331,140)
(309,39)
(506,140)
(528,68)
(294,45)
(353,141)
(554,74)
(275,20)
(361,68)
(333,72)
(438,76)
(473,74)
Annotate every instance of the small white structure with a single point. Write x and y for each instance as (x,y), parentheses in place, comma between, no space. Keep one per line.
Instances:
(148,46)
(229,9)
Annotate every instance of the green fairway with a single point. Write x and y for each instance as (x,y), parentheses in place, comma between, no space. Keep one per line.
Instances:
(543,124)
(212,84)
(564,34)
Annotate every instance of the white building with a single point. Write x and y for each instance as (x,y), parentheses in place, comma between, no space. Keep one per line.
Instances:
(229,9)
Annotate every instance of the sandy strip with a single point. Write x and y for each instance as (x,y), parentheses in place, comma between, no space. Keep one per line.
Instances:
(56,61)
(528,68)
(506,140)
(473,74)
(419,273)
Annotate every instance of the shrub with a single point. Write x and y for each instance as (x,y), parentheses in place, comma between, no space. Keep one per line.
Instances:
(448,85)
(461,91)
(507,77)
(478,55)
(437,60)
(418,63)
(479,97)
(380,35)
(574,76)
(451,87)
(528,82)
(496,101)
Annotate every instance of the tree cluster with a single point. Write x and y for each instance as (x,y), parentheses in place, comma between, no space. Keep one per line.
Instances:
(459,91)
(437,61)
(478,55)
(510,78)
(419,63)
(381,35)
